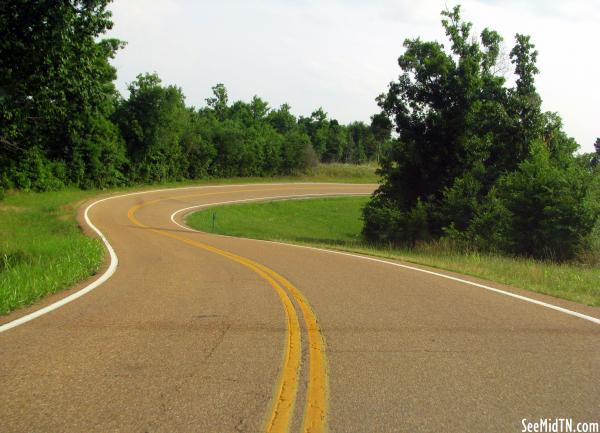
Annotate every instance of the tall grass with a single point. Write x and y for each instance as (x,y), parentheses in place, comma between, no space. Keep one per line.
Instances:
(362,172)
(572,281)
(42,249)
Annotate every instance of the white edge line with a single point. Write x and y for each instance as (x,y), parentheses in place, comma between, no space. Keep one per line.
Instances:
(372,259)
(114,260)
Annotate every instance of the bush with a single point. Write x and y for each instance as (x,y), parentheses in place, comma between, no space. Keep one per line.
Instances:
(296,153)
(310,159)
(460,202)
(34,172)
(590,252)
(385,222)
(540,210)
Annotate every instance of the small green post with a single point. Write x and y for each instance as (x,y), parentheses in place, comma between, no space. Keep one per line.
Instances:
(214,218)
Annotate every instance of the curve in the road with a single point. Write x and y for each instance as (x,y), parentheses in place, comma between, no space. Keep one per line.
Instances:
(113,259)
(285,397)
(387,262)
(280,417)
(281,412)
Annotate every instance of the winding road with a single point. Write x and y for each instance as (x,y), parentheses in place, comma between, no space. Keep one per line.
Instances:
(194,332)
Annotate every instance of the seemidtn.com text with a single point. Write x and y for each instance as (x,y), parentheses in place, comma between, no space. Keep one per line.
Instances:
(558,425)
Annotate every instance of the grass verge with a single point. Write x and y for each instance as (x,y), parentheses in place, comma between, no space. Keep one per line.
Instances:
(336,223)
(42,249)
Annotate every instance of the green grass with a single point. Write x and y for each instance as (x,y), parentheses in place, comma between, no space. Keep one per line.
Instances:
(336,223)
(42,249)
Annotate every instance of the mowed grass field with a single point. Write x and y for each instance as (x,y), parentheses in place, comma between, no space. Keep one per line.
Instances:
(336,223)
(323,221)
(43,250)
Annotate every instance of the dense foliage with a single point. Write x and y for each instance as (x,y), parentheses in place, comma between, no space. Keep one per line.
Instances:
(56,94)
(63,123)
(476,160)
(473,160)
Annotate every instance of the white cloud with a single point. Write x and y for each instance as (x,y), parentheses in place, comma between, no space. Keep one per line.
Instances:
(342,54)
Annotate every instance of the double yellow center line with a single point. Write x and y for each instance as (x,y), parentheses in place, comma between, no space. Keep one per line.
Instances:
(281,412)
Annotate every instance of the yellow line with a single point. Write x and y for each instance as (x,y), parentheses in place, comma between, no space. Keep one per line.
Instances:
(315,414)
(287,387)
(315,419)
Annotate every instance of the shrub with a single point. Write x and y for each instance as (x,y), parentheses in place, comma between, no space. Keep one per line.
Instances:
(385,222)
(540,210)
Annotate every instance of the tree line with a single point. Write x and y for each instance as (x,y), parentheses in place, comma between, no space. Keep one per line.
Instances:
(465,157)
(62,121)
(478,163)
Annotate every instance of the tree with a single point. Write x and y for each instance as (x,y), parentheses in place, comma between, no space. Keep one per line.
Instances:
(381,128)
(596,157)
(525,103)
(218,102)
(335,142)
(317,128)
(62,120)
(56,93)
(361,142)
(475,160)
(197,147)
(153,122)
(298,154)
(282,119)
(259,108)
(452,113)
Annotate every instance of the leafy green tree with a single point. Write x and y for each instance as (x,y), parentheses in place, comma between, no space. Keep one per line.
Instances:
(298,153)
(453,116)
(317,128)
(197,147)
(250,114)
(361,142)
(229,141)
(56,93)
(253,140)
(335,143)
(153,122)
(218,102)
(381,128)
(259,109)
(391,225)
(524,104)
(560,146)
(63,122)
(596,157)
(282,119)
(240,111)
(271,144)
(98,157)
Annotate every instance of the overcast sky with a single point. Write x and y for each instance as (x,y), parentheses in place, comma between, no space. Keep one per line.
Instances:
(341,54)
